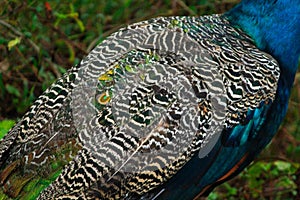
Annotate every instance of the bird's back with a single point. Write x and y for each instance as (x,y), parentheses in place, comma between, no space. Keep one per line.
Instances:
(153,103)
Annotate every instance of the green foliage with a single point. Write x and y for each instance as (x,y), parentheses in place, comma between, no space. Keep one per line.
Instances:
(13,43)
(262,180)
(5,125)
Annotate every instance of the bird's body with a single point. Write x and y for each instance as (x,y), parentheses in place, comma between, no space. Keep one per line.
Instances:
(162,109)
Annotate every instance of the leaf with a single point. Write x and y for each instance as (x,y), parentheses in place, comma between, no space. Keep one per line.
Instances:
(5,125)
(231,191)
(281,165)
(213,196)
(13,43)
(12,90)
(80,24)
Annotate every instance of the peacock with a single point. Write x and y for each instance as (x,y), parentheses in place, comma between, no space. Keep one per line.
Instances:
(167,108)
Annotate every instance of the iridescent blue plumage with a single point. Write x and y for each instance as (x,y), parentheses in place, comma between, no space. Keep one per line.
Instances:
(163,109)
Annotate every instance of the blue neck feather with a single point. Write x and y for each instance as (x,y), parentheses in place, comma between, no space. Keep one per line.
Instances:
(274,25)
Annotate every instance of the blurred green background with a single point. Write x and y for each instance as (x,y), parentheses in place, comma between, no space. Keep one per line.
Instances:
(40,40)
